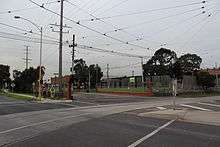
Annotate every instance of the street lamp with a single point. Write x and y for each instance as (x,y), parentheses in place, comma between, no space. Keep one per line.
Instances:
(41,42)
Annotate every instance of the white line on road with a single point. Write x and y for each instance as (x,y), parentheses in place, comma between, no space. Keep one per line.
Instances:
(161,108)
(195,107)
(151,134)
(208,104)
(86,102)
(43,122)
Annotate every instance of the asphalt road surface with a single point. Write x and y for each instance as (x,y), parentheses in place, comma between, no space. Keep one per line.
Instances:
(105,121)
(104,99)
(10,106)
(121,130)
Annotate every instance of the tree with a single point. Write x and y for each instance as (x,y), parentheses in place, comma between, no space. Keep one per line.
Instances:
(176,71)
(205,80)
(4,75)
(160,63)
(95,75)
(24,80)
(82,73)
(189,63)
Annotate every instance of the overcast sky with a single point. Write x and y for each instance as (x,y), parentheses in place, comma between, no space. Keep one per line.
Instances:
(180,25)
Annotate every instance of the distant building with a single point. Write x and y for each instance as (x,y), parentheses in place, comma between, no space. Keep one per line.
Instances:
(55,80)
(214,71)
(120,82)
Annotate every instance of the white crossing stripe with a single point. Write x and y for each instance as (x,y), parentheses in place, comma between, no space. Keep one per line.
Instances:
(151,134)
(208,104)
(161,108)
(43,122)
(195,107)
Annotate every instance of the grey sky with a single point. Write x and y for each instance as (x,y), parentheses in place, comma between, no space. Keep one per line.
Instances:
(184,30)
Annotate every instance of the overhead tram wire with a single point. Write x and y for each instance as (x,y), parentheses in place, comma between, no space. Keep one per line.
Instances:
(174,25)
(146,11)
(82,47)
(109,51)
(32,41)
(23,30)
(138,38)
(25,9)
(91,29)
(154,20)
(23,36)
(191,27)
(112,25)
(114,6)
(104,4)
(179,22)
(85,5)
(201,27)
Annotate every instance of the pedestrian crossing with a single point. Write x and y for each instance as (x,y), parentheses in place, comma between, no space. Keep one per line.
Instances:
(200,106)
(195,107)
(206,106)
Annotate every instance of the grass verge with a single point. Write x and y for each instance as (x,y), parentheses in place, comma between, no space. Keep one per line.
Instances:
(132,90)
(17,96)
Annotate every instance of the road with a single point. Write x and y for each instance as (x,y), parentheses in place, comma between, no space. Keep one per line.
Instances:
(109,124)
(10,106)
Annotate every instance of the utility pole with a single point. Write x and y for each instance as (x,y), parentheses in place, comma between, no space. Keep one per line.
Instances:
(27,59)
(216,74)
(40,67)
(61,46)
(107,75)
(142,72)
(89,80)
(96,76)
(73,54)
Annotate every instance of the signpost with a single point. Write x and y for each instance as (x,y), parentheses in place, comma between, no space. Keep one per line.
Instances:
(12,85)
(174,85)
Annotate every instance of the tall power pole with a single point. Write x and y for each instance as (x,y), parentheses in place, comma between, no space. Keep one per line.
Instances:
(107,75)
(73,54)
(142,72)
(216,66)
(61,46)
(27,59)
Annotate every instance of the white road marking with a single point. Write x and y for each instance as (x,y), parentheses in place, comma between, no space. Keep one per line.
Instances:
(161,108)
(195,107)
(43,122)
(86,102)
(3,103)
(208,104)
(151,134)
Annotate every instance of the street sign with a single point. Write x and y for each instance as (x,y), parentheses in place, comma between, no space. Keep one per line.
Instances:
(132,80)
(13,85)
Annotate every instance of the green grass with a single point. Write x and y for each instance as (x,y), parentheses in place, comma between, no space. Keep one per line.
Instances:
(134,90)
(17,96)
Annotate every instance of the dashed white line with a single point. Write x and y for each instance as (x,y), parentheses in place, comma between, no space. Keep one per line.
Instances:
(208,104)
(151,134)
(43,122)
(195,107)
(161,108)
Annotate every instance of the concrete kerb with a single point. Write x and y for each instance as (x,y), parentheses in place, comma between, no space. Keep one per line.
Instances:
(193,116)
(45,100)
(166,114)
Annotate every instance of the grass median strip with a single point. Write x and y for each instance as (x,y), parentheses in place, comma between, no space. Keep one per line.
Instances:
(18,96)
